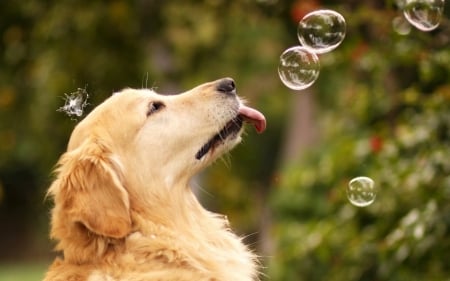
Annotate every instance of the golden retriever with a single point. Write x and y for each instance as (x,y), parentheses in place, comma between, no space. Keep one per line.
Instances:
(123,208)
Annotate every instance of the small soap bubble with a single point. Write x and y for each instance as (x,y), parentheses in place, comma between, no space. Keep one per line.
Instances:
(425,15)
(400,3)
(298,68)
(75,103)
(361,191)
(401,25)
(321,31)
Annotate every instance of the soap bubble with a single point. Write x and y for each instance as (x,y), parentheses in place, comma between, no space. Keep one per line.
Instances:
(361,191)
(75,103)
(425,15)
(298,68)
(321,31)
(401,25)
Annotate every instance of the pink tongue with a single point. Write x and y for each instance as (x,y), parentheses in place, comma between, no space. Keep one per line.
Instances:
(253,116)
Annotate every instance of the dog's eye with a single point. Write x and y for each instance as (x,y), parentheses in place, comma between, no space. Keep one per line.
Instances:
(154,106)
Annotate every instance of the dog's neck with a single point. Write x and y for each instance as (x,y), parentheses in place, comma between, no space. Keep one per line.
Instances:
(177,211)
(174,208)
(176,223)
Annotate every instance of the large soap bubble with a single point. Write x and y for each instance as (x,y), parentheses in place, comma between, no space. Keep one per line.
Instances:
(321,31)
(425,15)
(299,68)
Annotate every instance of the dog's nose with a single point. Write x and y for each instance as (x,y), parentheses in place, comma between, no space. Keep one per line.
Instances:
(226,86)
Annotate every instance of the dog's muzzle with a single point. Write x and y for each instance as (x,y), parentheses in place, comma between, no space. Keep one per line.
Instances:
(234,126)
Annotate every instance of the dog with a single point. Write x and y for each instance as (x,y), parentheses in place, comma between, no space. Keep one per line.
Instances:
(123,208)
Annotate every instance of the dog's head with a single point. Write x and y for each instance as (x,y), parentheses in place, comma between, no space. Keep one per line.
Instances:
(138,139)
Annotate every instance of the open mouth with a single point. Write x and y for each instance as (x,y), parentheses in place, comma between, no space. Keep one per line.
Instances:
(233,127)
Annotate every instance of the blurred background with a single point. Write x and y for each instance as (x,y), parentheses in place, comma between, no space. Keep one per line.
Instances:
(380,108)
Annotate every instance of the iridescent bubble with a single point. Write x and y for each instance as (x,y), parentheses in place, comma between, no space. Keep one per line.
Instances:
(321,31)
(401,25)
(298,68)
(400,3)
(361,191)
(425,15)
(75,103)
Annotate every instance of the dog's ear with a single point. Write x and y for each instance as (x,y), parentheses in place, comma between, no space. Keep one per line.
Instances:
(89,190)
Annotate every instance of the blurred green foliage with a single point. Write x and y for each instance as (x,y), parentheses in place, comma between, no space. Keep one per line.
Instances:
(381,110)
(22,272)
(384,114)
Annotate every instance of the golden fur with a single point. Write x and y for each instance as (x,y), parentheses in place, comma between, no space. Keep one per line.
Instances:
(123,208)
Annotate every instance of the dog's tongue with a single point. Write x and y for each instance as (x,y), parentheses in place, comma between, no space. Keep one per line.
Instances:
(254,117)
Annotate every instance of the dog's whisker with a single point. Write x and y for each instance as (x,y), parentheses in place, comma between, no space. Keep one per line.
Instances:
(226,160)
